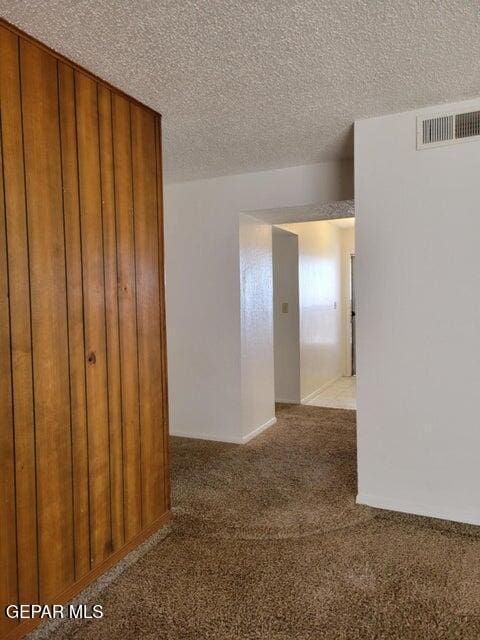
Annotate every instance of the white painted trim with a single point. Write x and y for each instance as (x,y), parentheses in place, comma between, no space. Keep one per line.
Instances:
(228,439)
(283,401)
(258,430)
(469,516)
(206,436)
(315,393)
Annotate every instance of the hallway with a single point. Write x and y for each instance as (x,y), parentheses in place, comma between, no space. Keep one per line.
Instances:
(268,544)
(341,394)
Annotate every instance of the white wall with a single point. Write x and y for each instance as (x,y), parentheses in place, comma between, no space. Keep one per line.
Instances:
(418,303)
(286,329)
(203,285)
(257,371)
(203,310)
(320,295)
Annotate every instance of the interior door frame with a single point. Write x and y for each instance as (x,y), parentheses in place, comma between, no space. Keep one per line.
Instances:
(353,359)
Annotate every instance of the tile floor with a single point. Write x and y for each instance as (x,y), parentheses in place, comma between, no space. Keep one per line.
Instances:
(341,394)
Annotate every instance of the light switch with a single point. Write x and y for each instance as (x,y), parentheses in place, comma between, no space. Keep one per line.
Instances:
(284,307)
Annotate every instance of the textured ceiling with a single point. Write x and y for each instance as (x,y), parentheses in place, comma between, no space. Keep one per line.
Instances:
(338,210)
(255,84)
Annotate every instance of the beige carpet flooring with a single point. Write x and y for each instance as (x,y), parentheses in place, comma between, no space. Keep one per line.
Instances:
(268,544)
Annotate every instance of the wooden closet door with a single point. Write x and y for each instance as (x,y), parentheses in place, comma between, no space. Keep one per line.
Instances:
(83,390)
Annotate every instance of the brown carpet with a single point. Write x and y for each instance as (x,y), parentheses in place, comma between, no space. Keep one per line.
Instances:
(268,544)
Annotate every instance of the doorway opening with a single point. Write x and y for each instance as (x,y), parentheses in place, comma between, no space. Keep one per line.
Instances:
(310,320)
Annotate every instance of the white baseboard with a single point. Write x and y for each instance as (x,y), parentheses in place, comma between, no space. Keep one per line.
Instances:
(315,393)
(206,436)
(467,516)
(228,439)
(258,430)
(283,401)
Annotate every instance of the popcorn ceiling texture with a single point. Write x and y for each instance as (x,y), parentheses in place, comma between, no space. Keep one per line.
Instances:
(247,85)
(306,213)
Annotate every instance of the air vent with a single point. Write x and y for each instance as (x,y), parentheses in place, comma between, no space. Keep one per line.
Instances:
(447,128)
(467,125)
(438,130)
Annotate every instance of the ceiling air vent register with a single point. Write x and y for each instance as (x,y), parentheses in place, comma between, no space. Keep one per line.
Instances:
(447,128)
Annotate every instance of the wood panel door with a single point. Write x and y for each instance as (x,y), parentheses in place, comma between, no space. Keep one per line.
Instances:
(83,390)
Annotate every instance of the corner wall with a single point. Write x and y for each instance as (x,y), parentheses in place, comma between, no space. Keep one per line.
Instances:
(203,285)
(256,305)
(418,349)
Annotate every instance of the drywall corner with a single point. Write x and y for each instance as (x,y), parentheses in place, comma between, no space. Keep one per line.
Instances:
(256,313)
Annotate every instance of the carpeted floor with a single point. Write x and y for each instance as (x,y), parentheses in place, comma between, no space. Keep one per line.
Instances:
(268,544)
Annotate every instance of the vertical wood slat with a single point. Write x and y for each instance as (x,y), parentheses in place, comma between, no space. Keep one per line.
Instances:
(148,311)
(111,309)
(94,316)
(127,314)
(8,531)
(73,250)
(20,316)
(49,319)
(163,319)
